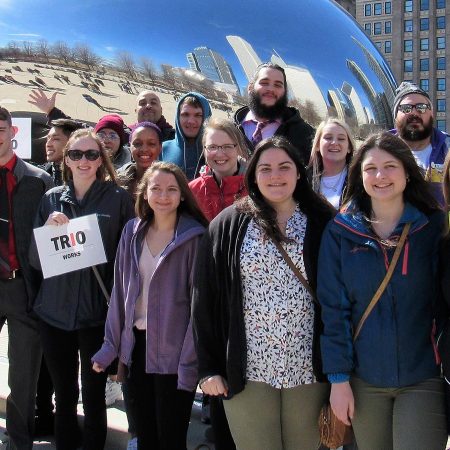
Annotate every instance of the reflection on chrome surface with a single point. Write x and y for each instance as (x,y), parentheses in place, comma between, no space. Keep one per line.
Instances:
(212,47)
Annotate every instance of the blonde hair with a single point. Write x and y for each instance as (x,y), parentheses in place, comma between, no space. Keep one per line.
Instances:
(315,160)
(227,126)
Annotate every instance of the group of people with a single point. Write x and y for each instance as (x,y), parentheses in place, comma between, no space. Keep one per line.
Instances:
(229,267)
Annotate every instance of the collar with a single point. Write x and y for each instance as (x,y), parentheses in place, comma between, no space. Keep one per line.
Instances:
(11,163)
(250,117)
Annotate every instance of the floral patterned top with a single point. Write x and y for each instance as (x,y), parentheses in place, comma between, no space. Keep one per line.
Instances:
(278,310)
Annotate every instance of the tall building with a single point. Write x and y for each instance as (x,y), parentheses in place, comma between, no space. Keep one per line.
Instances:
(412,35)
(348,5)
(212,65)
(246,54)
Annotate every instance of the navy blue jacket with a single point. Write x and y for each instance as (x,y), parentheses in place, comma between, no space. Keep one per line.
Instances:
(396,345)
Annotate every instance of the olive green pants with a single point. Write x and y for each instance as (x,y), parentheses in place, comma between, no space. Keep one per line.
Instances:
(264,418)
(408,418)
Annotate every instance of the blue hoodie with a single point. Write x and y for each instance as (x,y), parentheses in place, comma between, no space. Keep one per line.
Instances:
(178,150)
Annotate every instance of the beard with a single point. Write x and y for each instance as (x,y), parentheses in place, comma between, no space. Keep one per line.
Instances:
(413,134)
(266,112)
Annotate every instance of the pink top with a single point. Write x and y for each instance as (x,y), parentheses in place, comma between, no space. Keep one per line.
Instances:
(249,126)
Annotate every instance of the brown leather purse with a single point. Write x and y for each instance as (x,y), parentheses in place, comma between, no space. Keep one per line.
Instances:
(333,432)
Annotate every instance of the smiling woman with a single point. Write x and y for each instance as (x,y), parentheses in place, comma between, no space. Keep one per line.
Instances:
(388,373)
(267,314)
(72,307)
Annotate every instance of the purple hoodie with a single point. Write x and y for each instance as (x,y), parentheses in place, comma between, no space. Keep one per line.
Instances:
(170,346)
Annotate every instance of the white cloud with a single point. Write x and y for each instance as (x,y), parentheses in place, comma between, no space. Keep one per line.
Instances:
(110,48)
(5,4)
(24,34)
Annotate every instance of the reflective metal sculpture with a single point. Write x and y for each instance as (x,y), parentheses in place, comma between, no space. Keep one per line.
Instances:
(209,46)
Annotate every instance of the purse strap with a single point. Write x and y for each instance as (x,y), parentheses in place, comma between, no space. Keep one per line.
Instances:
(293,267)
(95,270)
(385,281)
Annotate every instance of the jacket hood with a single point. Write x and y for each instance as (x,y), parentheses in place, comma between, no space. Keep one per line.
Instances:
(179,136)
(356,225)
(186,228)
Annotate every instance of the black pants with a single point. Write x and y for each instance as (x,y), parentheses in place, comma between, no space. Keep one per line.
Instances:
(44,394)
(61,350)
(24,353)
(162,411)
(219,422)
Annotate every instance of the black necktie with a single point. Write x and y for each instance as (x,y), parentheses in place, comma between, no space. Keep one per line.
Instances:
(4,225)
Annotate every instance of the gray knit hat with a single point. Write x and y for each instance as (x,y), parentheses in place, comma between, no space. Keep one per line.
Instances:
(403,90)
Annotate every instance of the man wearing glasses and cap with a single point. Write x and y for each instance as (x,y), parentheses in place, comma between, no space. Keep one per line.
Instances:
(413,116)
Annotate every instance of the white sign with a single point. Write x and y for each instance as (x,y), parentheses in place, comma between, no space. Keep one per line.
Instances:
(22,139)
(69,247)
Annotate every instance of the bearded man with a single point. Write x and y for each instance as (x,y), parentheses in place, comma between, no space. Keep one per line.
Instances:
(414,120)
(268,113)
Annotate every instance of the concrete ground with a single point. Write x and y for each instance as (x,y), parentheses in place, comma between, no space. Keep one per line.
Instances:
(117,437)
(111,99)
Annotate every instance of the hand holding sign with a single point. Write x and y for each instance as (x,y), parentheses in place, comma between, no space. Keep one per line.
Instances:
(66,245)
(57,218)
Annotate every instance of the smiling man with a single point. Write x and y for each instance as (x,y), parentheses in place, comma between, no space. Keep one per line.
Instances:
(21,188)
(57,138)
(149,109)
(414,120)
(186,149)
(267,113)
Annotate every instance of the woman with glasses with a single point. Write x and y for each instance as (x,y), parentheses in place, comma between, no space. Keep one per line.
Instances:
(72,307)
(221,181)
(220,184)
(384,371)
(331,153)
(110,130)
(256,323)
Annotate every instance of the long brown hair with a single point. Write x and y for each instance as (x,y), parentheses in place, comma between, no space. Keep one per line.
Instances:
(188,205)
(105,170)
(417,190)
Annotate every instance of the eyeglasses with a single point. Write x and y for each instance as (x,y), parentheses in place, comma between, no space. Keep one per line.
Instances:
(112,136)
(90,155)
(420,108)
(215,148)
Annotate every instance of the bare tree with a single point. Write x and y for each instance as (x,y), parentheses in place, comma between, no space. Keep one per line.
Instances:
(43,49)
(148,69)
(308,111)
(84,55)
(13,49)
(28,49)
(169,77)
(125,63)
(62,51)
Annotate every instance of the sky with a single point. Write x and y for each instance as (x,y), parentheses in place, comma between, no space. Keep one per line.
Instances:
(311,33)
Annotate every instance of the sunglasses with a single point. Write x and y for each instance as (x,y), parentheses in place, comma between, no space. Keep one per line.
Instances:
(420,108)
(90,155)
